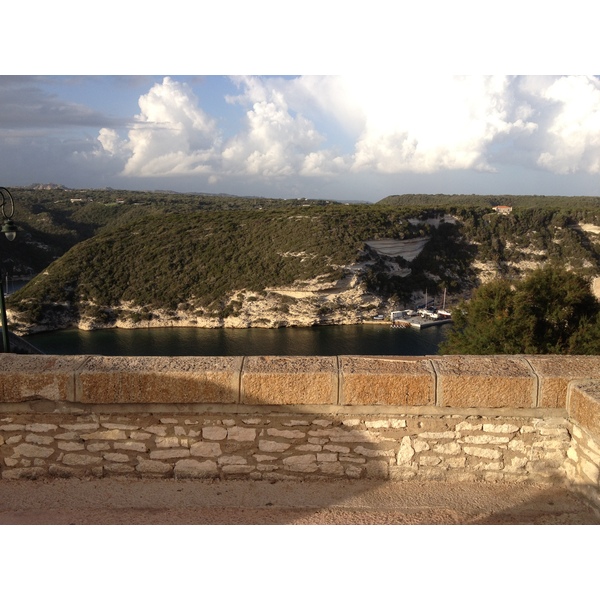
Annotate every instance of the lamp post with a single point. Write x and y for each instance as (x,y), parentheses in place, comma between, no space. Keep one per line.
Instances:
(10,231)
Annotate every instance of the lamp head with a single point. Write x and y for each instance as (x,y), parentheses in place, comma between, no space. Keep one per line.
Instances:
(9,230)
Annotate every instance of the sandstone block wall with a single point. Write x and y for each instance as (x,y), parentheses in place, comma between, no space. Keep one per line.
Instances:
(446,381)
(447,417)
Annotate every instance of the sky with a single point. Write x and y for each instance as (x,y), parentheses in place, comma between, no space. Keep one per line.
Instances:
(376,122)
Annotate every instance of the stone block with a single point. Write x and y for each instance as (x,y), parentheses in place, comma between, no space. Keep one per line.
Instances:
(33,451)
(373,452)
(60,471)
(405,452)
(451,448)
(24,473)
(309,448)
(97,447)
(241,434)
(131,445)
(80,460)
(41,427)
(80,426)
(38,377)
(333,468)
(238,469)
(71,446)
(116,457)
(12,427)
(285,433)
(583,405)
(232,460)
(289,380)
(372,380)
(109,434)
(166,454)
(152,466)
(206,449)
(271,446)
(167,442)
(490,453)
(43,440)
(485,382)
(486,439)
(353,472)
(556,372)
(160,379)
(125,426)
(119,468)
(194,468)
(500,428)
(377,469)
(214,433)
(336,448)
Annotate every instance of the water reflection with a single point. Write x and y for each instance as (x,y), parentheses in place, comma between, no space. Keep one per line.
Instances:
(309,341)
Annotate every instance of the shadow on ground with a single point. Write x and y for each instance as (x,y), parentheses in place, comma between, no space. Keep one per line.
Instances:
(112,501)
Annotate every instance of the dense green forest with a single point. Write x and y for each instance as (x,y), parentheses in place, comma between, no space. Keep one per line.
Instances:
(163,261)
(94,249)
(550,311)
(51,221)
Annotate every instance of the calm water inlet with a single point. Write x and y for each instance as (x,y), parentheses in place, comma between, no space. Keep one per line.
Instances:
(297,341)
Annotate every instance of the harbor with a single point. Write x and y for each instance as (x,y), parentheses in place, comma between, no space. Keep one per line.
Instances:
(423,317)
(419,322)
(420,319)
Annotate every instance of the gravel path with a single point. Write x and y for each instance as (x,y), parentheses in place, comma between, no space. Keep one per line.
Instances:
(198,502)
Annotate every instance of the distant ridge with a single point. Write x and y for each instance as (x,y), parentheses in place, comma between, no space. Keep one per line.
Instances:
(46,186)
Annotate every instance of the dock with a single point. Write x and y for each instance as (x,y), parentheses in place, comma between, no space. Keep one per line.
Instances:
(420,319)
(419,322)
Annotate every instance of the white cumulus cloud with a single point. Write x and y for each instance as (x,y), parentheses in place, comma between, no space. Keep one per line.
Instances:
(276,140)
(328,126)
(572,141)
(171,135)
(426,124)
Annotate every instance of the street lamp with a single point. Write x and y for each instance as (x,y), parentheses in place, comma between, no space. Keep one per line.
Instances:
(10,231)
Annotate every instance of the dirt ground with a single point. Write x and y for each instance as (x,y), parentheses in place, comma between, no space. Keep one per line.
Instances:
(113,501)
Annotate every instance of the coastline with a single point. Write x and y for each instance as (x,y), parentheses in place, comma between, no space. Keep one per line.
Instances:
(157,325)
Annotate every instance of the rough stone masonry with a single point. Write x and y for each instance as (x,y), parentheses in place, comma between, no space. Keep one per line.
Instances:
(455,418)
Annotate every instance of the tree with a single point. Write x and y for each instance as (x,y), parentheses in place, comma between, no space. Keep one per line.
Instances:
(552,311)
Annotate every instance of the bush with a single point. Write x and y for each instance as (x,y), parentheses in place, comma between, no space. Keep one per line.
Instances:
(552,311)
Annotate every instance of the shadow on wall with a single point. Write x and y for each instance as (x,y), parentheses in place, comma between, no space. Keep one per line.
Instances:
(278,426)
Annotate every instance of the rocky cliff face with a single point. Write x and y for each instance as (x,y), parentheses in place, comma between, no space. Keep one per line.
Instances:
(305,304)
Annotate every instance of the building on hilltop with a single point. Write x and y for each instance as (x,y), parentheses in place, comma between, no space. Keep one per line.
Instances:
(503,210)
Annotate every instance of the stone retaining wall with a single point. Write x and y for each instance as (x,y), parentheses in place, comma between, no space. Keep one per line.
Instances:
(276,446)
(453,418)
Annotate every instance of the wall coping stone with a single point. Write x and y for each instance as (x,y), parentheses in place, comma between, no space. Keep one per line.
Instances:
(485,381)
(375,380)
(583,405)
(555,372)
(460,382)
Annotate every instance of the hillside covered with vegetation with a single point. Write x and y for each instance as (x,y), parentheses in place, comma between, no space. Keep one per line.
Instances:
(107,257)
